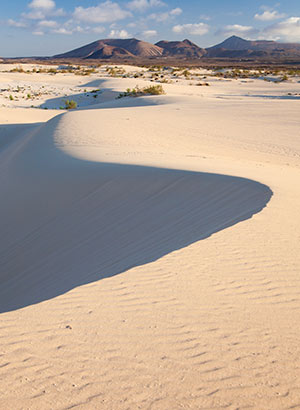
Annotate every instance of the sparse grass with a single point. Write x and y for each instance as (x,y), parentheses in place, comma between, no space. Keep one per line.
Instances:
(137,91)
(70,105)
(18,69)
(115,71)
(52,71)
(187,74)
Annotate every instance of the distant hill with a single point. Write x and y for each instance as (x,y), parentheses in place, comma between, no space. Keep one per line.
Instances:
(238,47)
(231,49)
(118,48)
(183,48)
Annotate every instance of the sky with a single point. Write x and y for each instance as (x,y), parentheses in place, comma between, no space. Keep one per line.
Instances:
(48,27)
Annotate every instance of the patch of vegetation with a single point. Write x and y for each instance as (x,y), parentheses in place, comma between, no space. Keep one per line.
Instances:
(70,105)
(18,69)
(137,91)
(52,71)
(115,71)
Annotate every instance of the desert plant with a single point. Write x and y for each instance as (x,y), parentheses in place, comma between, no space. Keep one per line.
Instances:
(70,105)
(18,69)
(52,71)
(137,92)
(153,90)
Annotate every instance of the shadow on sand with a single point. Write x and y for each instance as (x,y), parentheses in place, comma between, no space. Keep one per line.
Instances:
(67,222)
(96,98)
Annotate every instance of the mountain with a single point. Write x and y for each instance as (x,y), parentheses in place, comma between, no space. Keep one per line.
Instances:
(234,47)
(230,49)
(118,48)
(183,48)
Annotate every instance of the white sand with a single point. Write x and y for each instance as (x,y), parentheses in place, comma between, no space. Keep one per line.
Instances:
(145,263)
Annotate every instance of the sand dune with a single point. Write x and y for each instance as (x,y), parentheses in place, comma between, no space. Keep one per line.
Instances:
(82,221)
(149,256)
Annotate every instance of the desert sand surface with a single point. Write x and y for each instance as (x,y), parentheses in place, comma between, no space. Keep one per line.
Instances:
(150,246)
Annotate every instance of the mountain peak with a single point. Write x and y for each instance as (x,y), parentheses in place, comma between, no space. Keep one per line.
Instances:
(235,38)
(188,42)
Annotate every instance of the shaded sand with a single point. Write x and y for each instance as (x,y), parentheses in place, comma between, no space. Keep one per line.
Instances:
(144,261)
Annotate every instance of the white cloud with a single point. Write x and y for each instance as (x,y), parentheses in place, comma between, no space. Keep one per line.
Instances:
(149,33)
(176,12)
(103,13)
(197,29)
(287,30)
(40,9)
(38,33)
(62,30)
(205,17)
(238,30)
(42,4)
(19,24)
(142,5)
(98,30)
(160,17)
(119,34)
(79,29)
(47,23)
(57,13)
(34,15)
(269,15)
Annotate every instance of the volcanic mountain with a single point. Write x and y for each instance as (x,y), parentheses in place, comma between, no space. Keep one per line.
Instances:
(238,47)
(232,48)
(183,48)
(118,48)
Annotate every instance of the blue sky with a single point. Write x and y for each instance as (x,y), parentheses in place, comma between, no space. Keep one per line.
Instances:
(47,27)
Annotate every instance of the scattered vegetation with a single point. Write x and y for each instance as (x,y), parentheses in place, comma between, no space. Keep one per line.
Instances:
(115,71)
(137,91)
(70,105)
(18,69)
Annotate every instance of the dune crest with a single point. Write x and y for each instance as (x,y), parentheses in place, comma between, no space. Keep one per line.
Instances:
(82,220)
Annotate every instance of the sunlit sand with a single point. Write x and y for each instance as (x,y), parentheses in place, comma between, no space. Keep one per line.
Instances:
(149,246)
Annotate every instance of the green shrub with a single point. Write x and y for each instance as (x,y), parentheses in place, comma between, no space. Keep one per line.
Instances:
(137,91)
(70,105)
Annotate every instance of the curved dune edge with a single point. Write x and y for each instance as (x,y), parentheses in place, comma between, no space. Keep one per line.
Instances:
(69,222)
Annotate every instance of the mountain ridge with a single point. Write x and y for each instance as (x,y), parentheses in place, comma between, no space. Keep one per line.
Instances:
(233,47)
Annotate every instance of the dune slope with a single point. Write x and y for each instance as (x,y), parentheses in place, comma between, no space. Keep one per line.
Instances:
(81,220)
